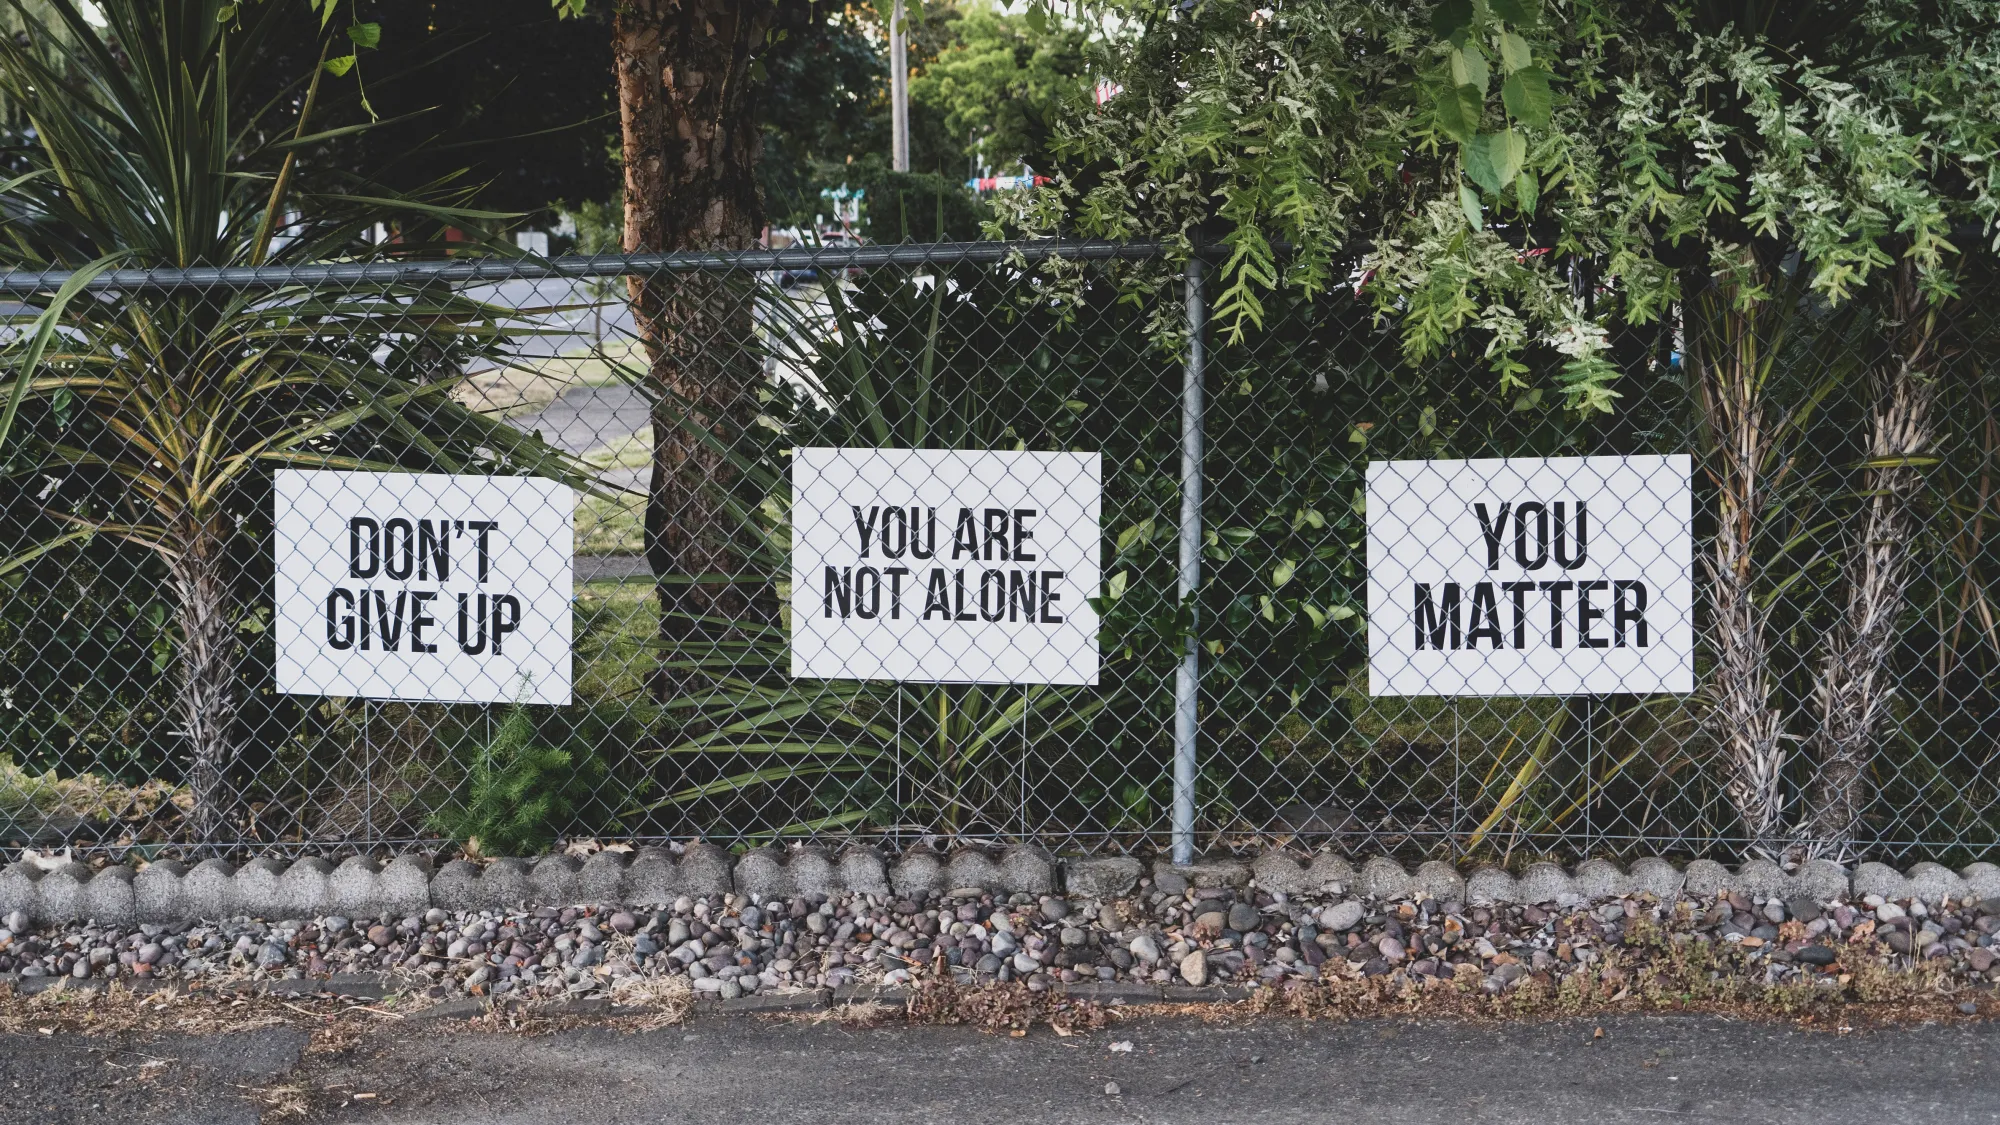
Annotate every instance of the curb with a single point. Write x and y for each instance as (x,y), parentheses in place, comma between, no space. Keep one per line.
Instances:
(167,892)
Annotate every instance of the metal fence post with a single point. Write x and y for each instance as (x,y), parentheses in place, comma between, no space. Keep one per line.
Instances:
(1187,681)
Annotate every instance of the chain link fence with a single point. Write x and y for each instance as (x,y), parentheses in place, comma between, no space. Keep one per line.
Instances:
(151,416)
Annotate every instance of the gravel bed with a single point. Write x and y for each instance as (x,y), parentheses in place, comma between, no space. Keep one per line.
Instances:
(734,945)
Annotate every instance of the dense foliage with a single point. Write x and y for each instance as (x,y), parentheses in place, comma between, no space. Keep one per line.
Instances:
(1529,177)
(151,419)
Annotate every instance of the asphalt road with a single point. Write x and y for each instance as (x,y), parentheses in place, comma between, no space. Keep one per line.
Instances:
(1276,1072)
(586,418)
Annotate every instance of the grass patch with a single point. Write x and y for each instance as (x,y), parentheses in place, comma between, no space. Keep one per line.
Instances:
(615,526)
(616,627)
(528,385)
(611,527)
(29,800)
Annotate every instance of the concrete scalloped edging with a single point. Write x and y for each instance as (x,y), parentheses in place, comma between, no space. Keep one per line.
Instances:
(170,892)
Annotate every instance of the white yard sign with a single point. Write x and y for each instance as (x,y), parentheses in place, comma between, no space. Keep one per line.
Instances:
(424,587)
(1530,576)
(945,566)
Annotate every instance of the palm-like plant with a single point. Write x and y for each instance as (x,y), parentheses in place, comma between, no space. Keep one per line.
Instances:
(888,364)
(160,412)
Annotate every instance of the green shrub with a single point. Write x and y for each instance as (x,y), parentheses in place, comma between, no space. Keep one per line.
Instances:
(518,791)
(919,207)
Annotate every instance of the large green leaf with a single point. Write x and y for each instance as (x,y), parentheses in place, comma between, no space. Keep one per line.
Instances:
(1458,111)
(1468,68)
(1492,159)
(1527,97)
(1451,16)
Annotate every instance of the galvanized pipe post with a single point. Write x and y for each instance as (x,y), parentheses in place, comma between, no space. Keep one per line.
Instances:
(1187,681)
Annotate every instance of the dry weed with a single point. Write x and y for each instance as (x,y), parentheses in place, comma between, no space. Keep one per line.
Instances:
(1012,1007)
(853,1013)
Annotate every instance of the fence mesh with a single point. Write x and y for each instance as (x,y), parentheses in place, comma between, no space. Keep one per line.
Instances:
(152,423)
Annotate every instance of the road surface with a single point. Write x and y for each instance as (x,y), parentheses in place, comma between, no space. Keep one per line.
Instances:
(1271,1072)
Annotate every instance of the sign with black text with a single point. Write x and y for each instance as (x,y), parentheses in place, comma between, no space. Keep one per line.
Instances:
(418,586)
(945,566)
(1530,576)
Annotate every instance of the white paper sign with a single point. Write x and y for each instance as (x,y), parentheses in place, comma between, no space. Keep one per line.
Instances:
(424,587)
(945,566)
(1530,576)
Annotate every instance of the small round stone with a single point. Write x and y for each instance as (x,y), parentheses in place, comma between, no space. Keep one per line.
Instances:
(1194,968)
(1243,917)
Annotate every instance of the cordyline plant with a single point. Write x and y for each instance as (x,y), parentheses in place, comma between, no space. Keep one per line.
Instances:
(1573,187)
(159,414)
(808,756)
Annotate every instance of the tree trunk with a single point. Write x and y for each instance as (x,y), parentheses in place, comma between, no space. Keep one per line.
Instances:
(687,106)
(1725,351)
(1852,688)
(208,674)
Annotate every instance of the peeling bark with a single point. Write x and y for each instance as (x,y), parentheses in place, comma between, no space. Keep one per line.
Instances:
(1728,362)
(1853,686)
(205,609)
(687,105)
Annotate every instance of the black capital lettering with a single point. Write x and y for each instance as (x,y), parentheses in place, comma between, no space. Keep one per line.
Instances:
(937,599)
(1050,597)
(1484,622)
(1564,535)
(1021,595)
(1586,614)
(483,528)
(1433,618)
(992,595)
(506,618)
(1022,534)
(839,588)
(894,549)
(356,568)
(433,549)
(389,626)
(340,615)
(1541,558)
(470,614)
(864,528)
(1555,591)
(1628,613)
(958,597)
(1519,591)
(399,543)
(896,575)
(867,593)
(1493,530)
(996,534)
(421,619)
(965,536)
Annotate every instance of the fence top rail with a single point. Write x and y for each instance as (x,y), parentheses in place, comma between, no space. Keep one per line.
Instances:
(392,271)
